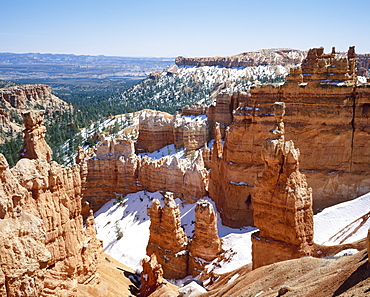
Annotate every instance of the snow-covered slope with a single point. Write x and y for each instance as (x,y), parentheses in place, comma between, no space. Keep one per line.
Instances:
(343,223)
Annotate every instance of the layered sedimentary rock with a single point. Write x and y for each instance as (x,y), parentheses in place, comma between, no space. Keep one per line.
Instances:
(190,133)
(368,246)
(248,59)
(14,100)
(282,202)
(155,130)
(115,168)
(205,245)
(167,239)
(326,110)
(46,250)
(158,129)
(35,146)
(178,256)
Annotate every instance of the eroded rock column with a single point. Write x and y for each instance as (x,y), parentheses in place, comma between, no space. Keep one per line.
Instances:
(205,245)
(167,238)
(282,202)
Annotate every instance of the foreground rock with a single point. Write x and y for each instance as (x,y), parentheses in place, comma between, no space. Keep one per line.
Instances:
(282,202)
(45,249)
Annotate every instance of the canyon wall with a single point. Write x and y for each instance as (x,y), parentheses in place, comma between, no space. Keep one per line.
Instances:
(285,57)
(326,117)
(282,202)
(46,251)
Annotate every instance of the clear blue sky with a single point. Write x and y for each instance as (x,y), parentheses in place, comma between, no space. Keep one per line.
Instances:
(169,28)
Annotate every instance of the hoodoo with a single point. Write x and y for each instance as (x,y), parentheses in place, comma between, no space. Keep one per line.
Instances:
(282,202)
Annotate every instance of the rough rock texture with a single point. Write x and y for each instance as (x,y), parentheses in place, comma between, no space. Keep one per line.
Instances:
(167,239)
(35,146)
(151,276)
(205,245)
(155,130)
(114,168)
(282,202)
(326,110)
(235,166)
(45,250)
(14,100)
(23,257)
(158,129)
(191,135)
(248,59)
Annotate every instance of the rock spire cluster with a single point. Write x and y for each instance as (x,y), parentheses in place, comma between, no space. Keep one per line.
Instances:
(178,255)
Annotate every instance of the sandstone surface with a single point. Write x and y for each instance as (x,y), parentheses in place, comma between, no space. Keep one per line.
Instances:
(151,276)
(282,202)
(115,168)
(205,245)
(167,239)
(45,250)
(35,146)
(326,110)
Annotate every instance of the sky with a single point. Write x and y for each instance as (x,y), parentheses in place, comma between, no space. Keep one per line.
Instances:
(170,28)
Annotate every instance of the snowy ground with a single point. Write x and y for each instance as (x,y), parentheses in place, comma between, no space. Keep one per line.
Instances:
(124,228)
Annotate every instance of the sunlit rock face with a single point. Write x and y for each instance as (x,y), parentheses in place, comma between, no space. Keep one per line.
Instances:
(45,249)
(282,202)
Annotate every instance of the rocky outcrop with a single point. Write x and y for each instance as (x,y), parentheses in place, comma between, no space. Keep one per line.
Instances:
(190,132)
(151,276)
(16,99)
(282,202)
(248,59)
(326,110)
(178,256)
(368,246)
(35,146)
(155,130)
(158,129)
(205,245)
(115,168)
(167,239)
(45,249)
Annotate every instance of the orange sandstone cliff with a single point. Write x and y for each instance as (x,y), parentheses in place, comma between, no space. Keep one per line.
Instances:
(46,251)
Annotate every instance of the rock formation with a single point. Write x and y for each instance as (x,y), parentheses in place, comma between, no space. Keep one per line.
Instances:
(368,246)
(325,110)
(169,243)
(205,245)
(45,249)
(35,146)
(155,130)
(151,276)
(282,202)
(15,100)
(167,239)
(115,168)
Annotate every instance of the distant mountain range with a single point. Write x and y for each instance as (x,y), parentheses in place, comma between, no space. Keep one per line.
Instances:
(36,66)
